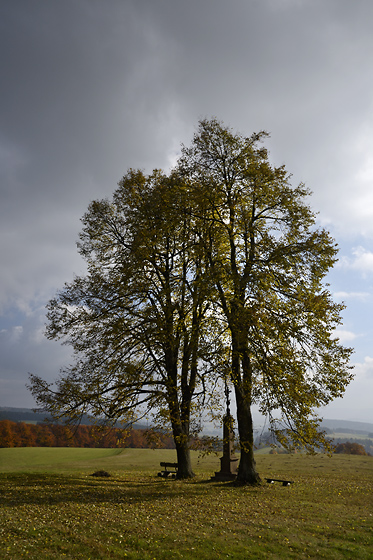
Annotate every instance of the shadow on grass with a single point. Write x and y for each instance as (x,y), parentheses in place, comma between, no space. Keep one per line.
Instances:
(52,489)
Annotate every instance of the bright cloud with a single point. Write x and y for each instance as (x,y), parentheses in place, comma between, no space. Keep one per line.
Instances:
(364,370)
(345,336)
(362,260)
(352,295)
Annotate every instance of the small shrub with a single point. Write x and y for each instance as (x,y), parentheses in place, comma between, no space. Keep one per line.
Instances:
(101,473)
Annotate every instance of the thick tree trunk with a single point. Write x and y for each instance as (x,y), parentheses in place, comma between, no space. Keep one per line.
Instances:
(180,432)
(184,460)
(247,473)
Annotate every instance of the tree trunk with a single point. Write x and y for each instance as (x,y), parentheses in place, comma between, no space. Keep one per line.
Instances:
(183,458)
(247,473)
(180,432)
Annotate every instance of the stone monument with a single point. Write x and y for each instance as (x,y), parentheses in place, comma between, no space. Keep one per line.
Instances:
(229,461)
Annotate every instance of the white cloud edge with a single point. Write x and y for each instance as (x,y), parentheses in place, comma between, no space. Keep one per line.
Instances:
(345,336)
(363,296)
(362,260)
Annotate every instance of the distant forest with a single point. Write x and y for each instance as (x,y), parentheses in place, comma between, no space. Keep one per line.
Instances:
(22,434)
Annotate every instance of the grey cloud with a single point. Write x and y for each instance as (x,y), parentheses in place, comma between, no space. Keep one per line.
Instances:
(23,349)
(90,88)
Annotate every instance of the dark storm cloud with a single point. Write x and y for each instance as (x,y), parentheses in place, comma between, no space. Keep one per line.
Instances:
(92,87)
(70,125)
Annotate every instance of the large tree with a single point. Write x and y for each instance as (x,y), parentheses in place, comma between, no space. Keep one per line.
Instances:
(268,261)
(137,321)
(224,253)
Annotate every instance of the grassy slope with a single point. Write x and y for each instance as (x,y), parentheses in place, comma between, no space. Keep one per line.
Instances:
(69,459)
(49,458)
(64,513)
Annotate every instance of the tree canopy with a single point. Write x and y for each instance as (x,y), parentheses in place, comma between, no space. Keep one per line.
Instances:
(216,270)
(138,321)
(268,261)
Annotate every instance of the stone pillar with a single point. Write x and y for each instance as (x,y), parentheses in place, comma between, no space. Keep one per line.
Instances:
(229,461)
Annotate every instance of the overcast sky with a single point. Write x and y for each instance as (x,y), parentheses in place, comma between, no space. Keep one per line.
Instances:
(90,88)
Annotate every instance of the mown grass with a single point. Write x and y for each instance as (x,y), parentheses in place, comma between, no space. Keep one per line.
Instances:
(61,512)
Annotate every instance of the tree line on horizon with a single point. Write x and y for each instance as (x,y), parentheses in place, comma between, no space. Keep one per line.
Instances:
(22,434)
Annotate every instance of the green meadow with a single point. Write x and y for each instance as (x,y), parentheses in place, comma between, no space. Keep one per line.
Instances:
(51,508)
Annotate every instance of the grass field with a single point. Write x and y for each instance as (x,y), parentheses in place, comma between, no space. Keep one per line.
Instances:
(51,508)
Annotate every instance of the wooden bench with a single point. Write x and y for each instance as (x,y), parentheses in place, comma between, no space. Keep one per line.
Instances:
(284,482)
(168,473)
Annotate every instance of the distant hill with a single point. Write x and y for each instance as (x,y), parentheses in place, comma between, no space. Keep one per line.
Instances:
(21,415)
(346,425)
(28,415)
(332,425)
(338,431)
